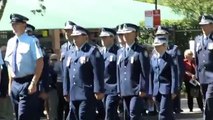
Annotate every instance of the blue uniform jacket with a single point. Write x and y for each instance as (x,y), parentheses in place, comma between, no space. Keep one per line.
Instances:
(85,72)
(132,71)
(164,75)
(110,81)
(66,48)
(174,51)
(204,59)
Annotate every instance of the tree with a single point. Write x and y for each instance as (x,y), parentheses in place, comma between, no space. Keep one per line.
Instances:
(192,9)
(2,6)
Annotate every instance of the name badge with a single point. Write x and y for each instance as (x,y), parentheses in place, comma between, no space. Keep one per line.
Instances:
(132,60)
(197,46)
(83,59)
(111,58)
(68,61)
(210,46)
(119,59)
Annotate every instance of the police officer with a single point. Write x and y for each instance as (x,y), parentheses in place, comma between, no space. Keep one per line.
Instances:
(174,51)
(67,46)
(24,61)
(165,84)
(203,58)
(86,73)
(109,53)
(131,76)
(30,29)
(64,49)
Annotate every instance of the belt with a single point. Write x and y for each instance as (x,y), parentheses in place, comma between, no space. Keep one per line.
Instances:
(27,78)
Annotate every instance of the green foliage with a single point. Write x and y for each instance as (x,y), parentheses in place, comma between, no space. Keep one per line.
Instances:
(192,9)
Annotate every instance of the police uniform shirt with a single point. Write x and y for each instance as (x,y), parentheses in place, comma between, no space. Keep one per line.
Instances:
(28,51)
(204,57)
(1,60)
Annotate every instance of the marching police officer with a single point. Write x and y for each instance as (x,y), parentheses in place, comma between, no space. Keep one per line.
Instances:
(24,61)
(165,84)
(174,51)
(109,53)
(85,67)
(67,46)
(64,49)
(203,58)
(131,76)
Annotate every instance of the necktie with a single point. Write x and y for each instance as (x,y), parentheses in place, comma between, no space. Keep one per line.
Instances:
(14,65)
(205,41)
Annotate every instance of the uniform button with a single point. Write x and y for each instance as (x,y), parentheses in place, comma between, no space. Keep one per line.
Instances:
(124,66)
(124,72)
(124,78)
(73,69)
(74,83)
(204,61)
(73,76)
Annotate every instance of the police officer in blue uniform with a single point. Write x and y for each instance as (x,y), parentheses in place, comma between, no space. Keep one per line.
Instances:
(43,85)
(64,49)
(165,83)
(174,51)
(24,60)
(109,53)
(132,62)
(85,67)
(203,58)
(67,46)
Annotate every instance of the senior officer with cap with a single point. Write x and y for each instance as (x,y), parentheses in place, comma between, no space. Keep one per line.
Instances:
(25,61)
(85,67)
(132,62)
(164,83)
(204,59)
(109,53)
(174,51)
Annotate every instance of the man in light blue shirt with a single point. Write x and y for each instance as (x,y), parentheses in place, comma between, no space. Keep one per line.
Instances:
(24,60)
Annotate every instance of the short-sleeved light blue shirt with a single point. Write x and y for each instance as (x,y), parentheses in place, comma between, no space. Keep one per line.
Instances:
(28,52)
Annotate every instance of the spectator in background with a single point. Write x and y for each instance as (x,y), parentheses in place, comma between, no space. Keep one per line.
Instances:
(52,101)
(189,65)
(6,110)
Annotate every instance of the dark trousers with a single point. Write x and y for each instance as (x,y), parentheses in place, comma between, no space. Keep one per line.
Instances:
(177,104)
(111,105)
(164,105)
(209,103)
(100,110)
(204,89)
(63,106)
(83,110)
(25,105)
(133,106)
(190,98)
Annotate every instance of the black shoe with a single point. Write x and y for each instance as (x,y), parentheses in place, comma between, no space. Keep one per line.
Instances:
(191,110)
(178,111)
